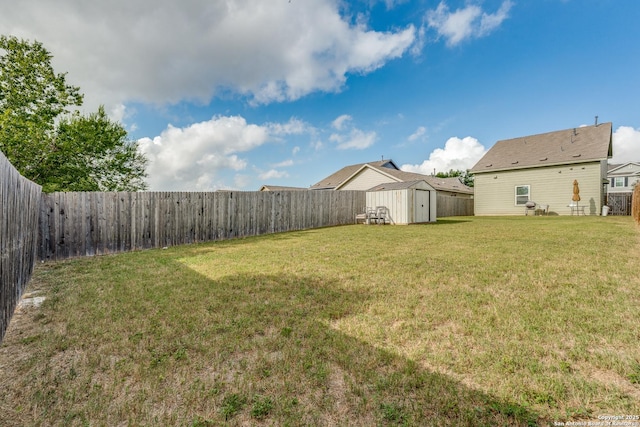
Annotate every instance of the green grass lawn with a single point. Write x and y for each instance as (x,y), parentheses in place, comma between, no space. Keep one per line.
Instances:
(470,321)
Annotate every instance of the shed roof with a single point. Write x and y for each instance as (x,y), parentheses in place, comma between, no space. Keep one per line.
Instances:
(403,185)
(569,146)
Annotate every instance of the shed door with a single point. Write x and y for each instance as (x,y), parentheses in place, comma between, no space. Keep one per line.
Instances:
(422,206)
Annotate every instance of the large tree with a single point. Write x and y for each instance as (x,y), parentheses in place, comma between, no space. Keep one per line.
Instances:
(93,153)
(47,140)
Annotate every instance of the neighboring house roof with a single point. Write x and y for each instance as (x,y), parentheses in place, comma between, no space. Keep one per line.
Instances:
(625,169)
(389,168)
(569,146)
(267,187)
(337,178)
(453,184)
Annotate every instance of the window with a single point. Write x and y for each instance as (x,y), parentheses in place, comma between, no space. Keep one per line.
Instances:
(522,194)
(619,182)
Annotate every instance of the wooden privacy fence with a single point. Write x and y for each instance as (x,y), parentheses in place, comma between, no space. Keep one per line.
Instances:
(79,224)
(19,201)
(453,206)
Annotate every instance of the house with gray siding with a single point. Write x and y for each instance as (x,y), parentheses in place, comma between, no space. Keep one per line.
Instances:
(623,178)
(542,168)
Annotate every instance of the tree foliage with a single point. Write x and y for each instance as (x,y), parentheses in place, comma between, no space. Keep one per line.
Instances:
(92,153)
(465,177)
(47,139)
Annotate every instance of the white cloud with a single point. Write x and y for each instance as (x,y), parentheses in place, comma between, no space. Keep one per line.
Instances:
(468,22)
(292,127)
(117,112)
(389,3)
(355,139)
(163,51)
(490,22)
(340,122)
(626,145)
(189,158)
(283,164)
(295,150)
(241,181)
(419,133)
(458,154)
(273,174)
(418,46)
(348,136)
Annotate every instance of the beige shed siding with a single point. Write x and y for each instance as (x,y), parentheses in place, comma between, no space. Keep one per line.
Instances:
(395,202)
(402,205)
(366,179)
(553,186)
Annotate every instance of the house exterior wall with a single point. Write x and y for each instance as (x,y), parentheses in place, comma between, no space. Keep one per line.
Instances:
(553,186)
(629,174)
(366,179)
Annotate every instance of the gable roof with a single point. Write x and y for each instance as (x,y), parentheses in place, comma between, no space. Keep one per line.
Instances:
(387,167)
(619,169)
(569,146)
(337,178)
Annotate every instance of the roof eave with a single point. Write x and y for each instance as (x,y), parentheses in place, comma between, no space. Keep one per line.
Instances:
(521,167)
(613,170)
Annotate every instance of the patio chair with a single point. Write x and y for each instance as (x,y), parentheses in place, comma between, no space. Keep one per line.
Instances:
(362,216)
(543,209)
(381,214)
(370,214)
(376,215)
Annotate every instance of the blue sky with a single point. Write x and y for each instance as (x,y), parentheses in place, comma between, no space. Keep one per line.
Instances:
(239,93)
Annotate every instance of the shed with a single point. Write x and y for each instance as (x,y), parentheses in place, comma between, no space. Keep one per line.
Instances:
(407,202)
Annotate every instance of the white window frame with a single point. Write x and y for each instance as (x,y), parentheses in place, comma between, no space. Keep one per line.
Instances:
(528,195)
(618,182)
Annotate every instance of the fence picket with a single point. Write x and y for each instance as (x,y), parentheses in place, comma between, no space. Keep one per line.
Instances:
(78,224)
(20,202)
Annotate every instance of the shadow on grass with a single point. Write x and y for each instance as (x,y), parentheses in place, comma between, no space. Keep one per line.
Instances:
(343,378)
(240,349)
(449,221)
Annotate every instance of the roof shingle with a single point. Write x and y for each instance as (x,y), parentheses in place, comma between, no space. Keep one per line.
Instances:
(576,145)
(337,178)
